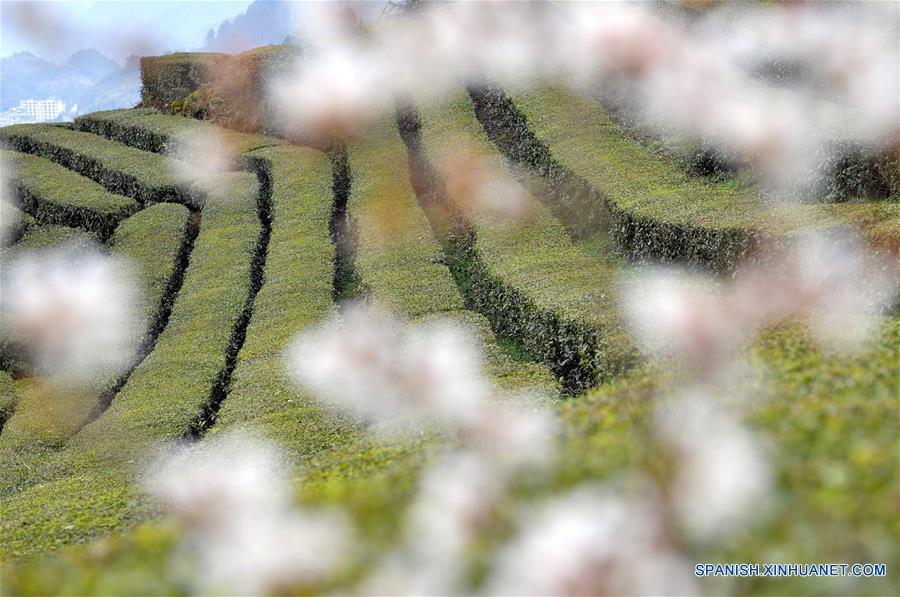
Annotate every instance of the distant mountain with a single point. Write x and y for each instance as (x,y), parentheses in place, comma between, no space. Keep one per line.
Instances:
(91,64)
(24,76)
(120,89)
(263,22)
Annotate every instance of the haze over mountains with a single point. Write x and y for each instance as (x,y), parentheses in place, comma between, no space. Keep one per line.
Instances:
(264,22)
(89,81)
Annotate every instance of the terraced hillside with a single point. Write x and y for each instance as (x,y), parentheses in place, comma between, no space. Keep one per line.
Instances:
(236,260)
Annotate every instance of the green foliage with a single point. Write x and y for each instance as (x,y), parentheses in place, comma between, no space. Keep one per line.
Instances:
(151,240)
(823,416)
(228,90)
(54,195)
(827,421)
(46,417)
(87,489)
(165,79)
(150,130)
(296,292)
(120,169)
(830,422)
(398,261)
(22,222)
(654,210)
(39,236)
(528,279)
(8,398)
(264,266)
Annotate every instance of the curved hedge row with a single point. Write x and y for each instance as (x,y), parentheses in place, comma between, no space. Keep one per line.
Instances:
(54,195)
(231,90)
(652,211)
(42,236)
(88,487)
(527,279)
(21,223)
(150,130)
(145,177)
(655,210)
(151,239)
(398,261)
(296,293)
(238,97)
(841,169)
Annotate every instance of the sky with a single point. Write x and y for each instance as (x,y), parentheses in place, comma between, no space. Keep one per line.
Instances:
(54,30)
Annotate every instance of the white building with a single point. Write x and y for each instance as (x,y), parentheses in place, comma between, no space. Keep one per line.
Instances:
(43,110)
(32,110)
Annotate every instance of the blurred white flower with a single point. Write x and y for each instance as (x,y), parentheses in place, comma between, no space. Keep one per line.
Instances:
(391,373)
(272,553)
(675,313)
(841,287)
(338,94)
(231,494)
(723,475)
(591,542)
(75,310)
(693,76)
(514,435)
(456,498)
(232,474)
(829,281)
(195,155)
(478,185)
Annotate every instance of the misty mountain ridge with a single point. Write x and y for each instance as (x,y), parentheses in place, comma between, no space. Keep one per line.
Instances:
(90,81)
(262,23)
(25,76)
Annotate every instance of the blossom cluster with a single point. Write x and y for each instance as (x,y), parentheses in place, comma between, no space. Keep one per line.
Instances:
(75,310)
(693,75)
(242,532)
(831,281)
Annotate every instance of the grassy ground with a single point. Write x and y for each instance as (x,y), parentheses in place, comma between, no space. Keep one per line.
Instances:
(829,420)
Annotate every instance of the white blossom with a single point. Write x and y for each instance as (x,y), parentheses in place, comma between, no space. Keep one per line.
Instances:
(197,154)
(76,310)
(391,373)
(231,494)
(591,541)
(456,498)
(722,472)
(828,281)
(690,77)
